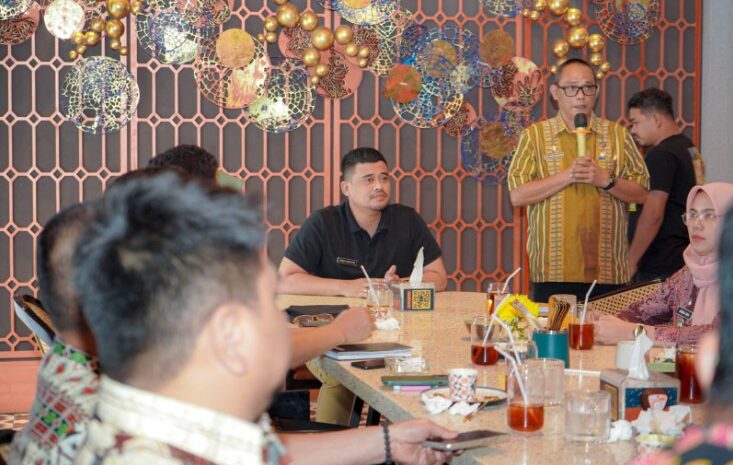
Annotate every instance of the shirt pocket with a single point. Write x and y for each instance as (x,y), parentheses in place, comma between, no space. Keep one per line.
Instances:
(553,160)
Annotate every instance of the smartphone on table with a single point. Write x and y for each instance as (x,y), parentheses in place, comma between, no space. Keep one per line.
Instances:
(415,380)
(467,440)
(369,364)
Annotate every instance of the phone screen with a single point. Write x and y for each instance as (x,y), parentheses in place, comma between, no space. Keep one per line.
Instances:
(415,380)
(468,440)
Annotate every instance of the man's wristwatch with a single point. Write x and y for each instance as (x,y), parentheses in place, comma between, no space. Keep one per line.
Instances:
(611,182)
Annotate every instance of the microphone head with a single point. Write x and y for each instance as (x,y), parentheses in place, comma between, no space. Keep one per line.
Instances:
(581,121)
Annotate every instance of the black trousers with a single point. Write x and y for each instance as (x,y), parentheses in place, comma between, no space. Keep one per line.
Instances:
(541,292)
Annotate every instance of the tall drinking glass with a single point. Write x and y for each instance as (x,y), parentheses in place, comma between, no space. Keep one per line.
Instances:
(526,396)
(379,302)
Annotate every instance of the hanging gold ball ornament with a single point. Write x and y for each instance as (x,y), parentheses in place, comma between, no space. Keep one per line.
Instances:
(364,52)
(311,57)
(321,69)
(261,37)
(77,38)
(526,12)
(271,37)
(315,80)
(281,2)
(81,49)
(322,38)
(136,7)
(535,15)
(573,16)
(363,62)
(124,51)
(577,37)
(308,21)
(600,75)
(97,25)
(115,44)
(553,69)
(596,42)
(605,67)
(115,28)
(73,55)
(351,50)
(596,59)
(288,15)
(343,34)
(558,7)
(539,5)
(560,48)
(91,38)
(271,24)
(118,8)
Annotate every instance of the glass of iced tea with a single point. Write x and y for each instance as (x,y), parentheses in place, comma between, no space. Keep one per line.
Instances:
(483,351)
(526,408)
(379,302)
(495,294)
(580,331)
(690,392)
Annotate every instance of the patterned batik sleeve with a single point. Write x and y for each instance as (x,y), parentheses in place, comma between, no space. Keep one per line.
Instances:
(683,334)
(658,307)
(524,164)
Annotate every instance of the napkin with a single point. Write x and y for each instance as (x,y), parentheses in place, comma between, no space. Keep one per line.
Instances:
(435,404)
(637,362)
(621,430)
(416,275)
(668,422)
(390,323)
(463,408)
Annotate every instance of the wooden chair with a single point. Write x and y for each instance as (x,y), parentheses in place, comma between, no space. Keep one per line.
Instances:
(31,312)
(616,301)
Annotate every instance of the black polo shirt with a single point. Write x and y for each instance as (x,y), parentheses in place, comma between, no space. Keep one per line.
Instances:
(331,244)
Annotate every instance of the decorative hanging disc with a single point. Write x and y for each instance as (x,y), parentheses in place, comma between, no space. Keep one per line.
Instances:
(519,83)
(496,48)
(343,78)
(329,4)
(288,100)
(99,95)
(374,12)
(169,38)
(628,22)
(231,69)
(389,33)
(413,40)
(506,8)
(199,12)
(21,28)
(10,9)
(462,121)
(429,110)
(293,41)
(63,18)
(486,151)
(514,120)
(450,54)
(365,36)
(403,83)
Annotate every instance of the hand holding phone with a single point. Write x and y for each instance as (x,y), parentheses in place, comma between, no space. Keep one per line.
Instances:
(468,440)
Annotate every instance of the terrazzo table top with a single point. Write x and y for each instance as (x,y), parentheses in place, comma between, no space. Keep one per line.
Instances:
(442,338)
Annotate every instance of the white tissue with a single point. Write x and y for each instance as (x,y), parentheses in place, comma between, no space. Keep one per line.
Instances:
(669,422)
(388,324)
(463,408)
(637,362)
(435,404)
(620,431)
(416,275)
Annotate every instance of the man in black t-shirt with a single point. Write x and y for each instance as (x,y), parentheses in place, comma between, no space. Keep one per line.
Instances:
(327,253)
(658,236)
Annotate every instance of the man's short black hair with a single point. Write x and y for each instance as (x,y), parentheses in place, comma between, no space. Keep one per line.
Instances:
(160,254)
(721,391)
(359,155)
(56,245)
(566,63)
(191,158)
(652,99)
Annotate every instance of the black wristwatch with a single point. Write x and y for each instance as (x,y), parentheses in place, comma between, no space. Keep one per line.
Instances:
(611,182)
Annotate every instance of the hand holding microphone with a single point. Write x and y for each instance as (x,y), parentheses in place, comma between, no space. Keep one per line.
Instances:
(584,169)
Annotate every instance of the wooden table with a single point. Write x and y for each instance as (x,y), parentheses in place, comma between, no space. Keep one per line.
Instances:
(442,338)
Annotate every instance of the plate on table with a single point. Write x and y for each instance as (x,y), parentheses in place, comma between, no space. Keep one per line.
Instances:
(492,395)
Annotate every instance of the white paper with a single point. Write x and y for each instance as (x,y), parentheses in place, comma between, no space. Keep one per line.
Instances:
(416,275)
(435,404)
(670,422)
(620,431)
(387,325)
(637,362)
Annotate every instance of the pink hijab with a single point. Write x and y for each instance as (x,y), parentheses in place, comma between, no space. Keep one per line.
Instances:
(704,269)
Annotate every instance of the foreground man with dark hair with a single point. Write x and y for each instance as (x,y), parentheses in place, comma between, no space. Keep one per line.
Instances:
(190,339)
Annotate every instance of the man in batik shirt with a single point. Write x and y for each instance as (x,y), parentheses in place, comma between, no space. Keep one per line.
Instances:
(67,380)
(179,293)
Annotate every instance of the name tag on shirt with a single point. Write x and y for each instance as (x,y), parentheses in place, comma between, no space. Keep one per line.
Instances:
(554,155)
(347,262)
(683,313)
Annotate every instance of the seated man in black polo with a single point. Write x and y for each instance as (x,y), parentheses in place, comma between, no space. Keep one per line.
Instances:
(326,256)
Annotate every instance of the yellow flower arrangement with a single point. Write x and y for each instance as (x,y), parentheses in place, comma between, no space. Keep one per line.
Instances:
(512,317)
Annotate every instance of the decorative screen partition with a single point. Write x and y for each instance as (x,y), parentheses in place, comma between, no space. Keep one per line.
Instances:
(46,163)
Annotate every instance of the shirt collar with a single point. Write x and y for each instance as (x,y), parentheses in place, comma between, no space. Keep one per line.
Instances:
(214,436)
(354,227)
(557,124)
(67,351)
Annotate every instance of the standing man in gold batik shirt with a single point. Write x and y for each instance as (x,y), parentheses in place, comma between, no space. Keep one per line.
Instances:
(576,205)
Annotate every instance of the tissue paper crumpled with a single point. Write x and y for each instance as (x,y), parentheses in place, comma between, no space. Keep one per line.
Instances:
(621,430)
(387,324)
(637,361)
(435,404)
(462,408)
(668,422)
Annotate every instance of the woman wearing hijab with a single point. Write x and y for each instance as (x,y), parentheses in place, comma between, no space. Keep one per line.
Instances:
(686,306)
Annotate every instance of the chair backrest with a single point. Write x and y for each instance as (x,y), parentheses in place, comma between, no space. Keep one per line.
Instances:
(616,301)
(31,312)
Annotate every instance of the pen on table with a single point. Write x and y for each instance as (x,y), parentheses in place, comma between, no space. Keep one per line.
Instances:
(411,388)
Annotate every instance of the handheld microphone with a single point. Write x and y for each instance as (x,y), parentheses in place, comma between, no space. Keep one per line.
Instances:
(581,130)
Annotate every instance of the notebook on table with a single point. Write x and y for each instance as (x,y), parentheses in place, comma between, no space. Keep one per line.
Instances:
(368,351)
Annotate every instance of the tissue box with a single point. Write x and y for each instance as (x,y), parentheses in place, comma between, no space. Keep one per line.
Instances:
(630,396)
(414,297)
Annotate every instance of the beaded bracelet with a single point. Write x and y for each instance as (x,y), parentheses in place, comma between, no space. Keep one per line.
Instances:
(387,450)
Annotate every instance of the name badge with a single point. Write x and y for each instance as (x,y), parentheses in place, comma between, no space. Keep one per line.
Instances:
(554,155)
(347,262)
(683,313)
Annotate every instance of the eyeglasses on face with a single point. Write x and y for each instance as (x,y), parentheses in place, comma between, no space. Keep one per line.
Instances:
(589,90)
(692,217)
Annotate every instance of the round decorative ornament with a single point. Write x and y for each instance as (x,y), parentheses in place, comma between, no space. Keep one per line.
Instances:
(505,8)
(461,122)
(486,151)
(99,95)
(63,18)
(373,11)
(497,48)
(628,22)
(169,37)
(343,78)
(21,28)
(520,84)
(403,83)
(10,9)
(430,110)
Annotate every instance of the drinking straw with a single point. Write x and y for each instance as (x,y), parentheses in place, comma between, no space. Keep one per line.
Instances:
(585,305)
(487,331)
(371,286)
(506,283)
(509,332)
(515,369)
